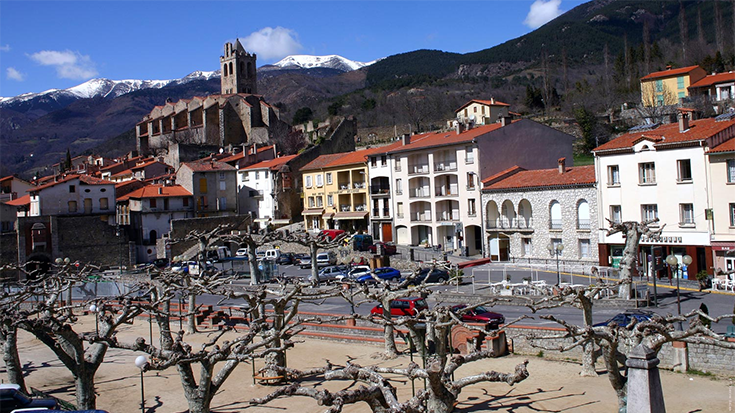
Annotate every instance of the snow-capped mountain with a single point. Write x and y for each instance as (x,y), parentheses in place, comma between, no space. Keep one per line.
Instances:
(105,88)
(329,62)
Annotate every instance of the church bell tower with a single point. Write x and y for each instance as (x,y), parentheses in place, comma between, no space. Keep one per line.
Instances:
(238,70)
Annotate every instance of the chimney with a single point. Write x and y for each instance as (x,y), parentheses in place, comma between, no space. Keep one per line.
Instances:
(562,165)
(458,127)
(406,139)
(683,121)
(668,67)
(254,150)
(492,101)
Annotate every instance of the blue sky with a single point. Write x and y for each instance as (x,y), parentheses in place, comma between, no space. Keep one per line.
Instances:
(59,44)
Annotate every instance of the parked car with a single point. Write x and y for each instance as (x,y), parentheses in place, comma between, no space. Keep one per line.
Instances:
(272,254)
(361,242)
(624,318)
(305,261)
(430,276)
(388,248)
(479,314)
(332,273)
(11,398)
(160,262)
(185,266)
(242,252)
(286,258)
(384,273)
(331,233)
(324,259)
(356,272)
(403,307)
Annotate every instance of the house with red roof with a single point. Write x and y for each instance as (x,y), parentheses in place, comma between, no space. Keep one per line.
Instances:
(482,112)
(213,184)
(668,87)
(661,172)
(73,194)
(12,187)
(146,214)
(265,191)
(531,215)
(716,87)
(721,189)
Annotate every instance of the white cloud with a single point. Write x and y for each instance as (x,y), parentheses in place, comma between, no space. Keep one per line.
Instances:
(13,74)
(542,12)
(270,44)
(69,65)
(5,48)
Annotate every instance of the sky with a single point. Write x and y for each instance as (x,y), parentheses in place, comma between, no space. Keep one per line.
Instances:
(59,44)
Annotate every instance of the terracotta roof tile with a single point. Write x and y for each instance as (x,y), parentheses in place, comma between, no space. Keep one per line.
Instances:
(669,133)
(578,175)
(152,191)
(348,158)
(429,140)
(85,179)
(669,72)
(272,164)
(484,102)
(207,165)
(24,200)
(727,146)
(710,80)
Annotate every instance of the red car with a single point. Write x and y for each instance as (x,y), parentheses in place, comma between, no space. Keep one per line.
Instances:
(331,233)
(388,249)
(479,314)
(403,307)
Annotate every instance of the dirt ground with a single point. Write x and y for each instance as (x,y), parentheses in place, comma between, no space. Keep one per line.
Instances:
(551,387)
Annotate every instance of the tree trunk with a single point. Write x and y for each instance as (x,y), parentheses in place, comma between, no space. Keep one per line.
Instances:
(9,337)
(618,382)
(191,318)
(440,400)
(253,264)
(588,348)
(391,350)
(627,263)
(84,386)
(314,267)
(198,404)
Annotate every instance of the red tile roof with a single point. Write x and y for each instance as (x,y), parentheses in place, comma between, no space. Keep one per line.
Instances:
(207,165)
(348,158)
(519,178)
(272,164)
(710,80)
(24,200)
(84,179)
(433,139)
(669,133)
(484,102)
(152,191)
(669,72)
(727,146)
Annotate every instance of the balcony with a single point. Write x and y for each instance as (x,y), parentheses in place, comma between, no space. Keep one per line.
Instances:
(584,224)
(445,166)
(515,224)
(377,212)
(418,169)
(379,190)
(447,192)
(420,217)
(418,193)
(359,185)
(360,207)
(446,216)
(555,224)
(345,208)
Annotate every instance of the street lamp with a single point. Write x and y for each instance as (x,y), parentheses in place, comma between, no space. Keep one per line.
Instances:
(674,263)
(141,362)
(556,250)
(93,309)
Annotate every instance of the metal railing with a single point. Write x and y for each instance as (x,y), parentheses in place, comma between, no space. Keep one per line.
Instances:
(555,224)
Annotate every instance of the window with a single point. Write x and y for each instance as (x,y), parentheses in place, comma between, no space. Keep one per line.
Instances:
(222,185)
(308,181)
(383,160)
(373,161)
(616,215)
(613,175)
(732,215)
(686,214)
(583,215)
(470,180)
(245,176)
(222,176)
(475,109)
(680,82)
(399,186)
(165,204)
(526,247)
(72,206)
(257,175)
(681,95)
(104,203)
(319,180)
(731,171)
(186,202)
(329,178)
(684,170)
(203,185)
(659,86)
(471,207)
(330,200)
(399,209)
(319,202)
(469,155)
(152,202)
(584,248)
(555,214)
(222,203)
(72,189)
(649,212)
(311,202)
(647,173)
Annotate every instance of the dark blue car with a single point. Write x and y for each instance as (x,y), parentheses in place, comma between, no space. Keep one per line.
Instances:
(624,318)
(384,273)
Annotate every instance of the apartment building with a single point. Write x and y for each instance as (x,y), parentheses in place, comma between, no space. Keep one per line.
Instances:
(661,172)
(212,184)
(721,173)
(261,191)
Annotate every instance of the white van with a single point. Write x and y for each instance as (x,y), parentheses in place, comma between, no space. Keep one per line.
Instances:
(272,254)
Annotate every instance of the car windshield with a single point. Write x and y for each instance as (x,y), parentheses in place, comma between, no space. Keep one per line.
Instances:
(481,309)
(421,304)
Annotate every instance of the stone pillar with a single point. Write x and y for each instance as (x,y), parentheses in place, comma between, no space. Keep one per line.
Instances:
(681,356)
(645,394)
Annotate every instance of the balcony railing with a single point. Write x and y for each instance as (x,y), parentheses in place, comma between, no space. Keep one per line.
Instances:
(418,193)
(345,208)
(359,185)
(583,224)
(377,211)
(397,168)
(447,217)
(418,169)
(555,224)
(343,185)
(420,217)
(360,207)
(445,166)
(444,192)
(506,223)
(386,212)
(379,190)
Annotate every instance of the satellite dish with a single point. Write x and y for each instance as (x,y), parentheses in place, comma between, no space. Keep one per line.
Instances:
(221,151)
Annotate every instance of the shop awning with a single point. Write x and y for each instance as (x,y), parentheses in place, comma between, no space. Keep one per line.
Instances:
(350,215)
(328,215)
(723,246)
(317,211)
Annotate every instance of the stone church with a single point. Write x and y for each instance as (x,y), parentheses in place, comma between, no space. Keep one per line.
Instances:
(236,116)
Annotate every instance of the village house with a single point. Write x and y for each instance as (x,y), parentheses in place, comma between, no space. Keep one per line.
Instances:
(213,184)
(668,87)
(721,189)
(264,191)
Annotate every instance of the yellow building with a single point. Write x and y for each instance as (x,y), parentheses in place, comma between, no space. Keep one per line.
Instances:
(668,86)
(335,189)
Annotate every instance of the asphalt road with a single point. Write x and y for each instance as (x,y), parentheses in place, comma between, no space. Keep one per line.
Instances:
(690,298)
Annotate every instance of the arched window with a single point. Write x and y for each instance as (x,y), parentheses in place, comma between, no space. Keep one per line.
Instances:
(583,214)
(225,69)
(231,71)
(153,235)
(555,215)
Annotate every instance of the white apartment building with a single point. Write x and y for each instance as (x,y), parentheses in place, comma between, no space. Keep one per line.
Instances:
(381,205)
(660,172)
(257,189)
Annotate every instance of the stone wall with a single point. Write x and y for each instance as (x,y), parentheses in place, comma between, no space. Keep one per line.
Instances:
(8,248)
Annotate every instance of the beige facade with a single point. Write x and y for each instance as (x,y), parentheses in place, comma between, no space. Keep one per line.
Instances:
(669,86)
(722,205)
(483,112)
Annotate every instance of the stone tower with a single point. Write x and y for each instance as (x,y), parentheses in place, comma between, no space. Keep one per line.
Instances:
(238,70)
